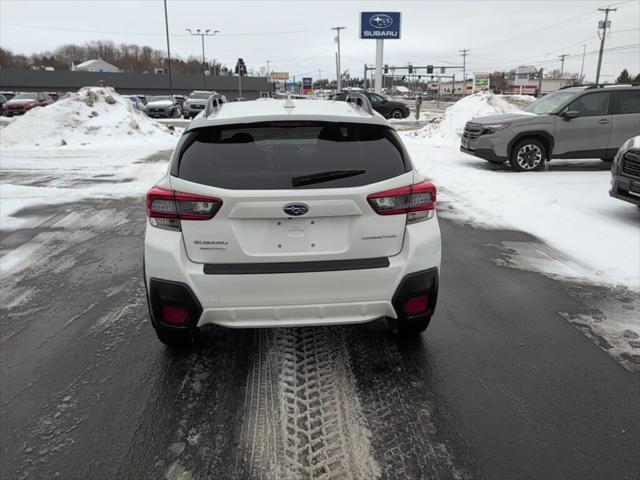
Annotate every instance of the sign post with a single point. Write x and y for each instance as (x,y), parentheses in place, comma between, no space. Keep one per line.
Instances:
(379,26)
(307,85)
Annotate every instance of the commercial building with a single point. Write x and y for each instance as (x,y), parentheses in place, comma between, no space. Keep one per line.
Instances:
(130,83)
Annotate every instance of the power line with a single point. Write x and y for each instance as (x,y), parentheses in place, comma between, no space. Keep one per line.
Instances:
(156,34)
(546,62)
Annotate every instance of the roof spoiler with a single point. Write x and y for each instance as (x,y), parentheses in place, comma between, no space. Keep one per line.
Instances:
(360,100)
(214,103)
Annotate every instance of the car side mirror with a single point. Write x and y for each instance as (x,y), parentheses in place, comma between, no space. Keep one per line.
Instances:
(569,114)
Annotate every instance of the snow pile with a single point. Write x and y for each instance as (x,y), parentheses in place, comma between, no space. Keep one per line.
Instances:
(449,130)
(92,116)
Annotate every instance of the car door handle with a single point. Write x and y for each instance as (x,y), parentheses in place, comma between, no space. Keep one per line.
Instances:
(603,121)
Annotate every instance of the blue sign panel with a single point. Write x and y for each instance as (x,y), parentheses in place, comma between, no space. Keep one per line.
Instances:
(380,25)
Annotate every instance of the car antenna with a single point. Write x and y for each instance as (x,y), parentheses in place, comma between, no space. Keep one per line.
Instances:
(288,103)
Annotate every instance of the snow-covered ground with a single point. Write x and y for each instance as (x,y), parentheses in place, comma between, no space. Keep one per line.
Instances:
(55,176)
(89,144)
(568,206)
(91,117)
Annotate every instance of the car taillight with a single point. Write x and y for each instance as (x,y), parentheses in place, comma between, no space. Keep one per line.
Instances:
(165,208)
(416,305)
(417,201)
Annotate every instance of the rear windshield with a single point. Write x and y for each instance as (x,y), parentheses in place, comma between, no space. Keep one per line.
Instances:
(282,155)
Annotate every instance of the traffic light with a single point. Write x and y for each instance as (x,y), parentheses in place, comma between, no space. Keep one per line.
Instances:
(410,69)
(386,69)
(443,70)
(429,68)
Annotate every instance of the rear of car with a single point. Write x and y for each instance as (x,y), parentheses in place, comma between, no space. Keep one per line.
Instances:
(292,221)
(625,172)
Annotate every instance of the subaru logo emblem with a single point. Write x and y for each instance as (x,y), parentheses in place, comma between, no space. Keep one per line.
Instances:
(380,20)
(296,209)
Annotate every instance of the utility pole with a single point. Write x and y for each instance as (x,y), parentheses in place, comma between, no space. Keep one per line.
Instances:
(166,24)
(202,34)
(584,53)
(562,57)
(339,74)
(603,25)
(319,79)
(464,54)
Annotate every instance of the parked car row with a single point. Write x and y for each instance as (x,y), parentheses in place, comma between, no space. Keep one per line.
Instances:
(21,103)
(579,122)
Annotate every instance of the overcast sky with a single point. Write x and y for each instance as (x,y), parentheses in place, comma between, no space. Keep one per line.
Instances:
(296,36)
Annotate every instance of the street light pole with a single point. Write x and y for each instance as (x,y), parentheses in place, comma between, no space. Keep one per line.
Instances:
(339,73)
(166,24)
(202,34)
(464,54)
(584,53)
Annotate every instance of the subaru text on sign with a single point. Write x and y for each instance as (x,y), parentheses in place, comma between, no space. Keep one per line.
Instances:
(380,25)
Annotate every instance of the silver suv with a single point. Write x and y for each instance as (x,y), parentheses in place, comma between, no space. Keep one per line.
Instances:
(577,122)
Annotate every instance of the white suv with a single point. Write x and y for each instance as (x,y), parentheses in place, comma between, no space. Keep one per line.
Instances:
(281,213)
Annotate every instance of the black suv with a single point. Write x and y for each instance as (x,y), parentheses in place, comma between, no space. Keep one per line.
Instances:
(625,172)
(386,108)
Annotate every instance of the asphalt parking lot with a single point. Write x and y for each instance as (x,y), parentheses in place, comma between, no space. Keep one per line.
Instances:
(503,385)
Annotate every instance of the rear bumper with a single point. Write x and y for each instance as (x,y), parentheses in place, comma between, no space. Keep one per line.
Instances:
(296,299)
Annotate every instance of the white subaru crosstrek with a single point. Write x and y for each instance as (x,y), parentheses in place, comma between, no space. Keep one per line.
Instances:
(282,213)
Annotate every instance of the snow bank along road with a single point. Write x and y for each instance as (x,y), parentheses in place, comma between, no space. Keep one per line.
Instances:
(513,380)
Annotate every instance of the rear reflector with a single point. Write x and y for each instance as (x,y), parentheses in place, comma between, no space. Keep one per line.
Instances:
(174,315)
(165,208)
(416,305)
(418,202)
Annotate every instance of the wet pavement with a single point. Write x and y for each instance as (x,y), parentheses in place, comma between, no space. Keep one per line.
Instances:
(503,385)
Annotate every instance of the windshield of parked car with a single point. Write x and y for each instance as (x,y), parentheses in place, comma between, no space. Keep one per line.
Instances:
(25,96)
(200,95)
(281,155)
(549,103)
(159,98)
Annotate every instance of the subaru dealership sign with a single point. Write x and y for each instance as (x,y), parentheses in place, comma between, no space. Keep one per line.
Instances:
(380,25)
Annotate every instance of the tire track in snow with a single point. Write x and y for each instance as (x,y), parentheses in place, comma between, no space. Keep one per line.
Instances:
(303,417)
(410,436)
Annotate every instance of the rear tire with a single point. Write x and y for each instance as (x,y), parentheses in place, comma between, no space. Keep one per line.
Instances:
(397,114)
(528,155)
(178,340)
(409,326)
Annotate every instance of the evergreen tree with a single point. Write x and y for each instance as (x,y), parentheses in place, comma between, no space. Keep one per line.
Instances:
(624,77)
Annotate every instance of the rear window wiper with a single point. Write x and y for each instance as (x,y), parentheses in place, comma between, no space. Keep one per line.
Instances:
(324,177)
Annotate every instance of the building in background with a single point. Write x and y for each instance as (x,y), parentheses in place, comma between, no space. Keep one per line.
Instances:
(95,66)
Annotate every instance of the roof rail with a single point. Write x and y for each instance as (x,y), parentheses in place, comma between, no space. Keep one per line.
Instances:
(605,85)
(214,103)
(360,100)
